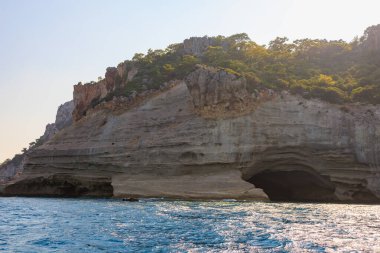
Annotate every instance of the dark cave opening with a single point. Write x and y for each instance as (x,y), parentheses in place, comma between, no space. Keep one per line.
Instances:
(294,186)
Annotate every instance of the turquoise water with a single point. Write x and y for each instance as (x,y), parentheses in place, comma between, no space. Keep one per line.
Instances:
(101,225)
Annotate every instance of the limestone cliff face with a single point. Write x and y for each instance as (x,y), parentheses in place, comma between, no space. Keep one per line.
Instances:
(165,147)
(16,165)
(85,95)
(63,119)
(197,45)
(209,86)
(64,116)
(88,95)
(12,168)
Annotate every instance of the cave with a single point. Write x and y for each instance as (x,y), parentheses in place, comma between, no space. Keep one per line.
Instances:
(294,186)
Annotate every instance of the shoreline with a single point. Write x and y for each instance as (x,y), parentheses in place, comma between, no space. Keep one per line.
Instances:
(166,199)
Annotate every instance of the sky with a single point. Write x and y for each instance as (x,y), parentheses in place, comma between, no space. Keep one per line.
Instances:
(47,46)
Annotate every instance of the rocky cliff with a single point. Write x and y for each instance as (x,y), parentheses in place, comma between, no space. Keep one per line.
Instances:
(86,96)
(197,45)
(63,119)
(207,137)
(16,166)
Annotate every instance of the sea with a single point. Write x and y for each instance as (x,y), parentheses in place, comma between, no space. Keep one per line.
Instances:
(155,225)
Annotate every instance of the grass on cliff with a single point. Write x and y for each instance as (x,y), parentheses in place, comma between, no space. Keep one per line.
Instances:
(335,71)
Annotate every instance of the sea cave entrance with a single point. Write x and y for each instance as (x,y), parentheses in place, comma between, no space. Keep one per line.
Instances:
(294,185)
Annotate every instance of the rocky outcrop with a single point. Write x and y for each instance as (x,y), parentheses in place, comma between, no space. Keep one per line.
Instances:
(371,39)
(198,45)
(89,95)
(218,93)
(210,86)
(86,96)
(289,147)
(50,130)
(63,119)
(64,116)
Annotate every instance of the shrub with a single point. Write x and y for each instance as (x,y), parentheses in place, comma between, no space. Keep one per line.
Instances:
(329,94)
(299,88)
(369,94)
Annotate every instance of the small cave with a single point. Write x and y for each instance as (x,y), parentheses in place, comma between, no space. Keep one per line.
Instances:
(294,186)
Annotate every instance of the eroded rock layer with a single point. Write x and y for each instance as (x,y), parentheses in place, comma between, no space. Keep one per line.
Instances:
(15,166)
(166,148)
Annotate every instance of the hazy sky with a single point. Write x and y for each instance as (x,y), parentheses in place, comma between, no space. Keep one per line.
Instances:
(48,46)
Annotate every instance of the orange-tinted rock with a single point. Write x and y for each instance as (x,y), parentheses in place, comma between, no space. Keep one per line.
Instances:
(87,95)
(111,77)
(84,95)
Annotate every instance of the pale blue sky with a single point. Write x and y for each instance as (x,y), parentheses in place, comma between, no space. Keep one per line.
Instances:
(48,46)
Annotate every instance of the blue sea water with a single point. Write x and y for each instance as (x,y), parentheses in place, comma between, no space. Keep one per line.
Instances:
(108,225)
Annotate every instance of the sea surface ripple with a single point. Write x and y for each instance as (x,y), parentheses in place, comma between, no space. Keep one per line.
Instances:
(107,225)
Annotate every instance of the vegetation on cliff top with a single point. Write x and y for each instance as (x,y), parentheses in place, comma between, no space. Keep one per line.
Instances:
(335,71)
